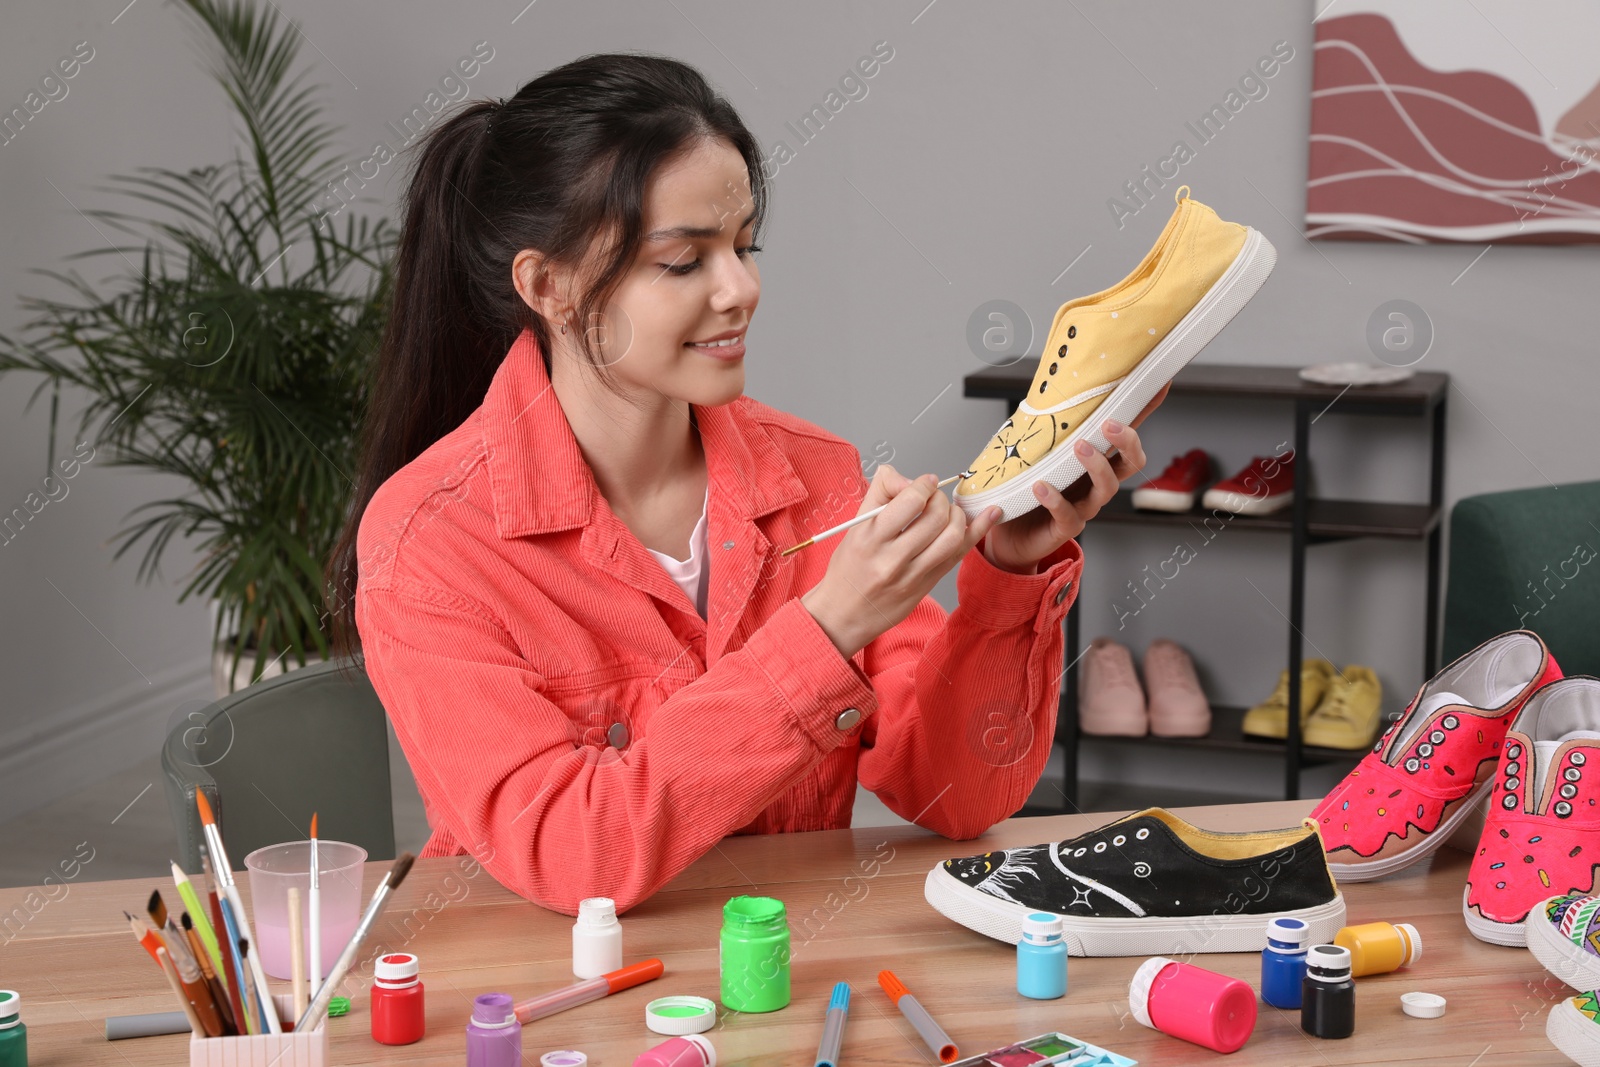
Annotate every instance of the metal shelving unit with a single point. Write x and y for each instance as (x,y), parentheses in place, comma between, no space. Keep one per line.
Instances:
(1308,522)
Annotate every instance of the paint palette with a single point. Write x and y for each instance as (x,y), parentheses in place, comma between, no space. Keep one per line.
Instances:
(1051,1048)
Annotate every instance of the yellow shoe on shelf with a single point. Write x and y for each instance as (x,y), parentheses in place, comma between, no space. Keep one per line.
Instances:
(1106,355)
(1348,714)
(1271,719)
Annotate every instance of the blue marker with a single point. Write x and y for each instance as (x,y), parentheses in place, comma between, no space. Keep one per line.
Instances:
(833,1029)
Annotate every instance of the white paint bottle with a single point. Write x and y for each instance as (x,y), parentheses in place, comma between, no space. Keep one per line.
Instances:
(596,938)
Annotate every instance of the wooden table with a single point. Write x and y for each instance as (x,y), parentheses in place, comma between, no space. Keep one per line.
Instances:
(75,963)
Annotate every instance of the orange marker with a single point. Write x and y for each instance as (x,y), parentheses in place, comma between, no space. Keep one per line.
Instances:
(931,1032)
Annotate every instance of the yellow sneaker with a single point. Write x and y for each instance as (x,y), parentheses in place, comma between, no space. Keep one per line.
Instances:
(1347,717)
(1106,355)
(1271,719)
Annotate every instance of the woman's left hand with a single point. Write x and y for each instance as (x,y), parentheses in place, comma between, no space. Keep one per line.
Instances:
(1018,544)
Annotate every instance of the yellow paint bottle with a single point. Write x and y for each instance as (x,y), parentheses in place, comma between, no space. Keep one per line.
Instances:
(1378,948)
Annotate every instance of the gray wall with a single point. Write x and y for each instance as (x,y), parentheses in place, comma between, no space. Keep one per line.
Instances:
(977,166)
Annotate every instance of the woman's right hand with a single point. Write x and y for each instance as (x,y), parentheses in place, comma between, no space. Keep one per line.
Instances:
(882,568)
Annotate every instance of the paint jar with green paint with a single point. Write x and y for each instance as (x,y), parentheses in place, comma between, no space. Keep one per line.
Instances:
(755,954)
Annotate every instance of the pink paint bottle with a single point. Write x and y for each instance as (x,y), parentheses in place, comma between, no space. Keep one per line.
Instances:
(690,1050)
(1182,1000)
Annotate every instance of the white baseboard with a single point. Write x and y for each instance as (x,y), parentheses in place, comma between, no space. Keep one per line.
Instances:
(81,744)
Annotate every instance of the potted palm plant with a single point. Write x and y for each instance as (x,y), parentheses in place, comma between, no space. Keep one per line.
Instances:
(231,350)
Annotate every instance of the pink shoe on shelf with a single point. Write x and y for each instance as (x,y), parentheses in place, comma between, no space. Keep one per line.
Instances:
(1110,700)
(1178,706)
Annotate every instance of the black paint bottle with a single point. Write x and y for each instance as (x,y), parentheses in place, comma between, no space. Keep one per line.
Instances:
(1328,995)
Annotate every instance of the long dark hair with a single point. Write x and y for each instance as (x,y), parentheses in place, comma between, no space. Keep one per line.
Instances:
(559,165)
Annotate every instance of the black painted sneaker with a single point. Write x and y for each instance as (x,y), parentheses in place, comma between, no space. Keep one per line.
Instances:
(1148,884)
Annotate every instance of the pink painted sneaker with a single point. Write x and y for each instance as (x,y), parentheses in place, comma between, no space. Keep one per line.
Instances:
(1110,700)
(1178,706)
(1542,835)
(1434,765)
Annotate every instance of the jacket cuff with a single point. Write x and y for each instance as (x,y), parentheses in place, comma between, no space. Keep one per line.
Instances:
(816,682)
(999,600)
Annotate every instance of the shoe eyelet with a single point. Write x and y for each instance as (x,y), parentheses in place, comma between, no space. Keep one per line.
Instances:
(1450,722)
(1100,846)
(1513,751)
(1062,352)
(1142,834)
(1079,852)
(1412,764)
(1572,774)
(1072,331)
(1042,385)
(1376,748)
(1424,750)
(1437,737)
(1119,841)
(1512,783)
(1568,790)
(1578,759)
(1508,802)
(1513,769)
(1052,371)
(1562,809)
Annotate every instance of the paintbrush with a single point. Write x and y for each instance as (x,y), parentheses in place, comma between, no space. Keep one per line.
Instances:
(843,526)
(230,891)
(319,1004)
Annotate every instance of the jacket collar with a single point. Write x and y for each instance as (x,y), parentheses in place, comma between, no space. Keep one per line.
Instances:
(541,482)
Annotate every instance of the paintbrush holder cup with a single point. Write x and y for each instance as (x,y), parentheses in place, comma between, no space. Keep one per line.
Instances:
(273,869)
(309,1049)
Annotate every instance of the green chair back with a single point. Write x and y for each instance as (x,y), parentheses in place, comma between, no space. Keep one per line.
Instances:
(271,754)
(1527,559)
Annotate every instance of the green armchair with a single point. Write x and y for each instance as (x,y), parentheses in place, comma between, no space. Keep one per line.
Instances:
(267,756)
(1527,559)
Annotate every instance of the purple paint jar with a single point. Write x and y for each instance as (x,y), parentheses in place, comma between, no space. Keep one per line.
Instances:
(494,1036)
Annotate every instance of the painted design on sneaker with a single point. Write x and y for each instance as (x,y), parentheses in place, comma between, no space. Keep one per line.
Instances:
(1428,770)
(1542,834)
(1574,1027)
(1146,884)
(1562,935)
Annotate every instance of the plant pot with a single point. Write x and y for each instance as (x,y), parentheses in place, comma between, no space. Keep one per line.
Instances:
(221,657)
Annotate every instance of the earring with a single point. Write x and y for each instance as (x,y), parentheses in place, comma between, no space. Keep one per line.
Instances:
(563,328)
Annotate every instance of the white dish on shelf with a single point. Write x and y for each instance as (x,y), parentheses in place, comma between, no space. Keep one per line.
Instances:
(1355,374)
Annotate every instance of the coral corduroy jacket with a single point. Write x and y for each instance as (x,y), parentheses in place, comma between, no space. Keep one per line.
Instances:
(577,727)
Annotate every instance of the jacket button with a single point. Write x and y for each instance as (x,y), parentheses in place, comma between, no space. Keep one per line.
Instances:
(727,544)
(847,718)
(1061,594)
(617,736)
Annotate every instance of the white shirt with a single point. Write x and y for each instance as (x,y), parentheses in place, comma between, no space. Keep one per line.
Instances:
(691,574)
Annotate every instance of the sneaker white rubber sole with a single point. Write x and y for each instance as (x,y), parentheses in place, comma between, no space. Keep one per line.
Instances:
(1568,962)
(1244,504)
(1512,935)
(1061,466)
(1161,500)
(1366,872)
(1574,1034)
(1150,936)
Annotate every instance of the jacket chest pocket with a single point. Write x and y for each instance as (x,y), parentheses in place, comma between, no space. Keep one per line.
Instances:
(610,711)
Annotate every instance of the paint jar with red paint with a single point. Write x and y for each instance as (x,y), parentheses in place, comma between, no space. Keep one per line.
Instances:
(1192,1003)
(397,1015)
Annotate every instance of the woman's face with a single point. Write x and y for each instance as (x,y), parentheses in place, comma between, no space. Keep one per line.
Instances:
(694,281)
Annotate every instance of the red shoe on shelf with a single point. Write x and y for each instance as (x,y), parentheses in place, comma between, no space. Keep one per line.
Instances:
(1265,485)
(1176,488)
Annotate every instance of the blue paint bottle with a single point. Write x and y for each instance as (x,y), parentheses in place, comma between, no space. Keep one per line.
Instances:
(1283,963)
(1042,957)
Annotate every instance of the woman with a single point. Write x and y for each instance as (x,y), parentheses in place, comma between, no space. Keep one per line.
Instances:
(566,550)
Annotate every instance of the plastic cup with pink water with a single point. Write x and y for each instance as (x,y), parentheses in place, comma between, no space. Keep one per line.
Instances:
(273,869)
